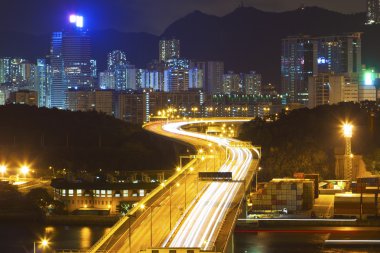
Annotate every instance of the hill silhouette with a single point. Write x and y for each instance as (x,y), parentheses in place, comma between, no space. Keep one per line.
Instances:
(245,39)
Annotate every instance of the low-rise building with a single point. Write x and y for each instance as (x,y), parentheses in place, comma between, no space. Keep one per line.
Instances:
(116,197)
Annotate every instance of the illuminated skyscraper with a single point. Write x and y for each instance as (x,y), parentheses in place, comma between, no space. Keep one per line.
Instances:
(252,83)
(116,58)
(76,53)
(231,83)
(58,87)
(177,75)
(373,12)
(169,49)
(212,75)
(43,83)
(70,59)
(297,64)
(306,56)
(5,70)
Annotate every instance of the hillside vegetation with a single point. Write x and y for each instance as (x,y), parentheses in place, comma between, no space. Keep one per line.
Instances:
(79,140)
(306,140)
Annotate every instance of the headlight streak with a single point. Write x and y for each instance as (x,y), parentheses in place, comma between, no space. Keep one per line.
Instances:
(200,228)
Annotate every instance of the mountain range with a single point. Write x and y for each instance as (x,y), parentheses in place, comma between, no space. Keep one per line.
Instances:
(245,39)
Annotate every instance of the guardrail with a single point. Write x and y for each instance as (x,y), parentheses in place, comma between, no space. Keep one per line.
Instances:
(122,220)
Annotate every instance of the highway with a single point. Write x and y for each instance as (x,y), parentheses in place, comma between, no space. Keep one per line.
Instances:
(187,212)
(200,228)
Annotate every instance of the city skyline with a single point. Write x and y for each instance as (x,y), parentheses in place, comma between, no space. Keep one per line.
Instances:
(43,16)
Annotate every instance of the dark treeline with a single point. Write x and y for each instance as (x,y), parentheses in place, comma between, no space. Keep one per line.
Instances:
(79,140)
(306,140)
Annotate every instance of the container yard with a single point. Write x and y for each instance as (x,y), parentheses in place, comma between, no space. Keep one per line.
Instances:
(278,194)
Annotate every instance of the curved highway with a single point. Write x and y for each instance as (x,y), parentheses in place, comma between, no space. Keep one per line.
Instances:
(199,229)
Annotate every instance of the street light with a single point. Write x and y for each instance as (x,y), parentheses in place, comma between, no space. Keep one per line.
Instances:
(3,169)
(24,170)
(43,244)
(257,172)
(347,133)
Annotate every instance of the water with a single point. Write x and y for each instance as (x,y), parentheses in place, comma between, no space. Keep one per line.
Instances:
(16,238)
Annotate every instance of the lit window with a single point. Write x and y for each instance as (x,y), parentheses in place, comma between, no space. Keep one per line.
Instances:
(63,192)
(125,193)
(109,193)
(79,192)
(71,192)
(142,193)
(103,193)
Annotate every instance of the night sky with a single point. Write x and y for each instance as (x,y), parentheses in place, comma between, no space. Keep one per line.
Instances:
(152,16)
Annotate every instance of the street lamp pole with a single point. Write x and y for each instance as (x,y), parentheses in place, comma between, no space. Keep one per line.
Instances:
(347,133)
(151,227)
(129,231)
(170,208)
(257,172)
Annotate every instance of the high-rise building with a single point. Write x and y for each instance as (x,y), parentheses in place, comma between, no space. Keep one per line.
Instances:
(339,53)
(18,70)
(373,12)
(70,59)
(169,49)
(297,64)
(107,80)
(124,72)
(196,77)
(43,83)
(116,58)
(76,54)
(326,88)
(252,83)
(343,88)
(177,75)
(232,83)
(305,56)
(5,70)
(94,69)
(318,87)
(58,86)
(212,75)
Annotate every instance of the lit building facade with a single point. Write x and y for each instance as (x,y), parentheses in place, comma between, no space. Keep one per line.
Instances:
(305,56)
(332,89)
(76,54)
(70,60)
(114,197)
(43,83)
(176,76)
(58,87)
(169,49)
(107,80)
(373,12)
(252,83)
(232,83)
(5,70)
(26,97)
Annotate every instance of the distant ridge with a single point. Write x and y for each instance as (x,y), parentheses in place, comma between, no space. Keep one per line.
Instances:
(245,39)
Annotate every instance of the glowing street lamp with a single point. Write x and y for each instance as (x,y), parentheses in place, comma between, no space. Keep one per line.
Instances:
(43,244)
(347,133)
(24,170)
(257,172)
(3,169)
(347,130)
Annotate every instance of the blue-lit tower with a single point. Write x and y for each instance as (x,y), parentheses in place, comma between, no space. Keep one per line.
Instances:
(70,60)
(43,83)
(58,86)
